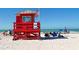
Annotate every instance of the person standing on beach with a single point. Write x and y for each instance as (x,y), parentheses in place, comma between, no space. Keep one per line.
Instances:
(65,30)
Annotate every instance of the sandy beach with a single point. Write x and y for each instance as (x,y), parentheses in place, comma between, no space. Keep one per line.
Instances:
(71,43)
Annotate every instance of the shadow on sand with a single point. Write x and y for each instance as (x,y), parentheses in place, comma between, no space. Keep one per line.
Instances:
(52,38)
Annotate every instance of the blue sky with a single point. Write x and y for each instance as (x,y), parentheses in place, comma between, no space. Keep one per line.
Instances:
(59,18)
(8,16)
(49,18)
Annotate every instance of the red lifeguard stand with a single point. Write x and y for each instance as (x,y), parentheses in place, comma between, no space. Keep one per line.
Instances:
(25,26)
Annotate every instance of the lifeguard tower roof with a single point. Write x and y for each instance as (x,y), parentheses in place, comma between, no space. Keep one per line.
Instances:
(28,12)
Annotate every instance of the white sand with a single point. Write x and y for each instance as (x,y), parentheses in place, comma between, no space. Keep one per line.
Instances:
(72,42)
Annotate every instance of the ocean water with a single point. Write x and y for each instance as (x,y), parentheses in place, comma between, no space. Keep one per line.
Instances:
(3,30)
(51,30)
(58,30)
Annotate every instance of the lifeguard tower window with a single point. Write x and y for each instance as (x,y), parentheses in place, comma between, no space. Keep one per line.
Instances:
(26,18)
